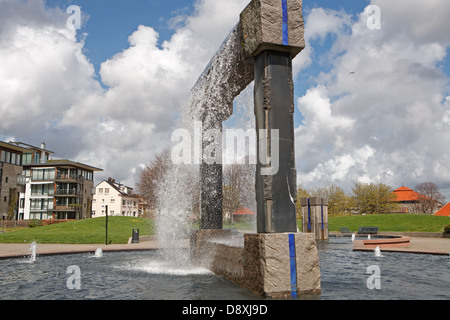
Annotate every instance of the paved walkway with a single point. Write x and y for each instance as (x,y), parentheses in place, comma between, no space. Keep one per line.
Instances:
(18,250)
(439,246)
(418,245)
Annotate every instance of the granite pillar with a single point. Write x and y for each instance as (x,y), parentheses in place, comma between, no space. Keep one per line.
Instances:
(315,217)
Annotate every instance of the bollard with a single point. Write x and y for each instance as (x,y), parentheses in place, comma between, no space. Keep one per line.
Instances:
(135,237)
(315,217)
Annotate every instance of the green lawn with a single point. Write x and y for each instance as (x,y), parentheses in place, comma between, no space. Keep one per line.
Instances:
(82,232)
(391,222)
(92,231)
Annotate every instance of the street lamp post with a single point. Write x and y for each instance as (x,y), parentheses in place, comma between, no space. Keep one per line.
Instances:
(106,225)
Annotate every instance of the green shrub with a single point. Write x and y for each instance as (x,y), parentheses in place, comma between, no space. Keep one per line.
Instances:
(34,223)
(447,229)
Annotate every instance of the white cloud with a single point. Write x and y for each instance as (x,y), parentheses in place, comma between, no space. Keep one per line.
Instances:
(383,94)
(387,122)
(43,72)
(319,23)
(49,90)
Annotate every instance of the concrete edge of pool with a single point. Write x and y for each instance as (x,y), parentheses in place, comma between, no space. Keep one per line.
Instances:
(424,245)
(406,244)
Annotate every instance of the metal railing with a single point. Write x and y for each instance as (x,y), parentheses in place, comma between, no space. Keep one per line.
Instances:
(70,192)
(71,177)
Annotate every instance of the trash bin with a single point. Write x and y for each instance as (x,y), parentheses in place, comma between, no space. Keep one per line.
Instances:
(135,238)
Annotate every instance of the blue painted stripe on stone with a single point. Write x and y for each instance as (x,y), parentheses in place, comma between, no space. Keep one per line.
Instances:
(309,216)
(321,211)
(293,264)
(285,23)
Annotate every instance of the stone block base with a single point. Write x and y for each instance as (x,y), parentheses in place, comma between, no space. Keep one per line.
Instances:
(261,262)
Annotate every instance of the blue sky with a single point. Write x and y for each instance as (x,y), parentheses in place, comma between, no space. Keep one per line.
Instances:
(110,23)
(371,105)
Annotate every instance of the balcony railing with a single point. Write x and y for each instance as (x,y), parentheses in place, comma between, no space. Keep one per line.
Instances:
(70,192)
(70,207)
(49,193)
(69,177)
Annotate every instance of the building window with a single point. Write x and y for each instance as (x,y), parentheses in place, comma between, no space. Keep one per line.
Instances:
(41,204)
(27,158)
(43,174)
(100,190)
(106,190)
(6,157)
(42,189)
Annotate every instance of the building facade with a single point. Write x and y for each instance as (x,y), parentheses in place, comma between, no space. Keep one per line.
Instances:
(410,201)
(12,181)
(59,189)
(43,188)
(115,198)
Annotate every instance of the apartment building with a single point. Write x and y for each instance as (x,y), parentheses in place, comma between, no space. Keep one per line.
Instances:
(117,198)
(59,189)
(46,189)
(12,181)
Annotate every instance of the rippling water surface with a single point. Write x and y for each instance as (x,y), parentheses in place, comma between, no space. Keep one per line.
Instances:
(403,276)
(147,276)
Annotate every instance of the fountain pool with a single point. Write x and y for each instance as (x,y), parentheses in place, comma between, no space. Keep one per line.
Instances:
(112,276)
(403,276)
(148,276)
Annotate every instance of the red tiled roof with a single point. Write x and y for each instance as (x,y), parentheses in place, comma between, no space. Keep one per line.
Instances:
(444,212)
(406,194)
(244,212)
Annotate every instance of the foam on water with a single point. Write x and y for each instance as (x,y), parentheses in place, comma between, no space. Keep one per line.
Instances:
(159,267)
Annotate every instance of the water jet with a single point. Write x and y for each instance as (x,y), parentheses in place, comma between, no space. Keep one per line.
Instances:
(98,253)
(33,251)
(378,252)
(277,260)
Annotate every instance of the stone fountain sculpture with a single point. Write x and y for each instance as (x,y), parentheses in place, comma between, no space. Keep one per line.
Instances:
(277,260)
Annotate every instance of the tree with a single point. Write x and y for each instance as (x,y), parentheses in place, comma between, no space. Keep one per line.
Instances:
(338,201)
(151,176)
(12,208)
(301,193)
(238,187)
(164,185)
(373,198)
(429,198)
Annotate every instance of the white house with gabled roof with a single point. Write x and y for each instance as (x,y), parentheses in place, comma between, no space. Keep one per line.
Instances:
(117,198)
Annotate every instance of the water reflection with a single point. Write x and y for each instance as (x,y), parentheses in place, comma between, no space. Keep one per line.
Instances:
(403,276)
(147,276)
